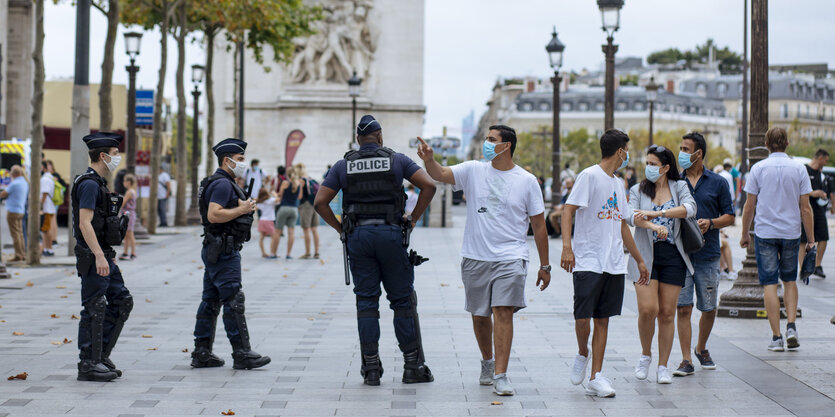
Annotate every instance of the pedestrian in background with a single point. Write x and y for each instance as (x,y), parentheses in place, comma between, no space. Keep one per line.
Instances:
(58,195)
(307,214)
(818,199)
(778,188)
(256,175)
(48,210)
(506,199)
(714,210)
(659,202)
(129,209)
(411,199)
(289,194)
(595,255)
(266,203)
(16,195)
(163,193)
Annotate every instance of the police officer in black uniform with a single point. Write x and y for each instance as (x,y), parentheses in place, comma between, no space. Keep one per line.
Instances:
(226,212)
(97,227)
(374,226)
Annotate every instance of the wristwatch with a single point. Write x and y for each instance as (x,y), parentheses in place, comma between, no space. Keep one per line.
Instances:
(711,225)
(546,268)
(664,213)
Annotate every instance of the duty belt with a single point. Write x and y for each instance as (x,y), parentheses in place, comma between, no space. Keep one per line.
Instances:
(366,222)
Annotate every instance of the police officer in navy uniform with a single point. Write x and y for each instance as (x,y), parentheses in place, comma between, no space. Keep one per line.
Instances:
(373,202)
(226,212)
(97,227)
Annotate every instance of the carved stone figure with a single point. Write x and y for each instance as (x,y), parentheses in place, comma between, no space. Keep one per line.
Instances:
(341,45)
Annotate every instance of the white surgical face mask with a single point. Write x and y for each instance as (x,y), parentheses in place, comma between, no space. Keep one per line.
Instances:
(239,168)
(114,162)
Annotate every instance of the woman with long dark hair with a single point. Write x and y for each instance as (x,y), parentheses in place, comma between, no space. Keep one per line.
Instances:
(659,202)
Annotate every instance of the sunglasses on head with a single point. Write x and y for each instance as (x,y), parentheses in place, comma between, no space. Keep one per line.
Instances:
(657,148)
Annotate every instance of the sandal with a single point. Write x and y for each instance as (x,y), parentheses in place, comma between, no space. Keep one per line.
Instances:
(124,257)
(305,256)
(316,256)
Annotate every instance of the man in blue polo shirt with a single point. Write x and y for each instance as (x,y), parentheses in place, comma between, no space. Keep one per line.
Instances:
(714,211)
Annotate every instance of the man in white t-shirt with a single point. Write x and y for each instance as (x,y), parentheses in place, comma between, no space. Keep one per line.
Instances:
(501,199)
(48,210)
(254,172)
(163,192)
(596,255)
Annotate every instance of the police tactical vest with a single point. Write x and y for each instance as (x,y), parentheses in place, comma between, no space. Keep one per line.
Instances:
(239,228)
(106,221)
(373,190)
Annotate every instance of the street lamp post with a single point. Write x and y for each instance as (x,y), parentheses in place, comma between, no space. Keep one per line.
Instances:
(193,216)
(610,15)
(354,91)
(555,50)
(132,43)
(652,95)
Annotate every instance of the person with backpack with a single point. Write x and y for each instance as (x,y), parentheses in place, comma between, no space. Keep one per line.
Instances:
(307,214)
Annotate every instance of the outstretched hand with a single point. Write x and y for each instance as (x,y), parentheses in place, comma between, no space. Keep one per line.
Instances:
(425,152)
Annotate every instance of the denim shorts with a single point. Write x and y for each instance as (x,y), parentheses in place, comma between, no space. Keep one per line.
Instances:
(705,282)
(776,258)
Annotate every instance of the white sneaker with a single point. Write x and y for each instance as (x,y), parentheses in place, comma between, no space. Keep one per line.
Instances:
(664,375)
(600,387)
(488,368)
(578,372)
(642,369)
(501,386)
(723,275)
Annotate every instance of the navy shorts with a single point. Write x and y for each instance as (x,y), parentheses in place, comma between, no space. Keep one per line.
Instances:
(776,258)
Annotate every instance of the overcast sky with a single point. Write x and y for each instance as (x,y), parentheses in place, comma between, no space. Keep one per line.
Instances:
(469,43)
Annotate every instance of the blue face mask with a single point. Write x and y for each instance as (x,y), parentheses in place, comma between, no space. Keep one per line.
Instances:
(653,173)
(488,149)
(625,161)
(684,160)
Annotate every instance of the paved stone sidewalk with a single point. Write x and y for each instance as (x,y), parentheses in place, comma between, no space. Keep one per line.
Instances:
(302,315)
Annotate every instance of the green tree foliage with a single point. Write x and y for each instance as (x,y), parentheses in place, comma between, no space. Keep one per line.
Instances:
(729,61)
(533,152)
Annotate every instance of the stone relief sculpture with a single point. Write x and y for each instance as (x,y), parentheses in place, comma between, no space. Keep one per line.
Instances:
(343,43)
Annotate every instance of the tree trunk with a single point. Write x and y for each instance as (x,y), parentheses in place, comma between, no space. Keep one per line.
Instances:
(33,256)
(210,98)
(182,125)
(105,102)
(235,90)
(156,143)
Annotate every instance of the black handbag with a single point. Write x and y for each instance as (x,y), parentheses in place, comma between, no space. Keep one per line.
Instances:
(691,236)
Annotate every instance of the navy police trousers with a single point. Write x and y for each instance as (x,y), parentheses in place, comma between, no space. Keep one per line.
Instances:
(93,286)
(221,281)
(377,256)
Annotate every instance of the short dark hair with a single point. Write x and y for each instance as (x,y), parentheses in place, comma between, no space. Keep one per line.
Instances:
(223,156)
(699,141)
(821,153)
(371,137)
(611,141)
(94,154)
(281,170)
(508,134)
(727,165)
(43,164)
(254,162)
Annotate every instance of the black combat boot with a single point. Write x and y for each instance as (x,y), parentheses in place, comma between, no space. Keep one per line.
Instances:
(414,370)
(372,369)
(202,356)
(111,366)
(247,358)
(92,371)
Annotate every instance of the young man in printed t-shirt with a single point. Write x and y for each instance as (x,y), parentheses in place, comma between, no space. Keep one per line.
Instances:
(501,199)
(596,255)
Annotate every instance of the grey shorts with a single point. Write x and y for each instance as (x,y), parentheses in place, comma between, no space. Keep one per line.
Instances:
(286,216)
(307,216)
(493,284)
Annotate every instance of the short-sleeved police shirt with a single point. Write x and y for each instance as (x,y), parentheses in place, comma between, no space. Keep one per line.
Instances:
(403,167)
(713,199)
(222,192)
(88,197)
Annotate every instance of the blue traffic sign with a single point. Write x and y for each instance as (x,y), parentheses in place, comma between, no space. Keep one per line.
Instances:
(144,107)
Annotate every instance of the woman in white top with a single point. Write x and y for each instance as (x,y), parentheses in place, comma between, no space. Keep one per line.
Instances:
(659,203)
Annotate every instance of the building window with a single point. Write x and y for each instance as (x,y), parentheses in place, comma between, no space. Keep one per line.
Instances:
(797,113)
(598,106)
(566,106)
(544,106)
(583,106)
(621,106)
(807,111)
(638,106)
(527,106)
(722,90)
(784,111)
(701,90)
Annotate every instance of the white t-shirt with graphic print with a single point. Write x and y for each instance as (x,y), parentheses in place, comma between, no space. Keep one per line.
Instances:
(499,207)
(597,242)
